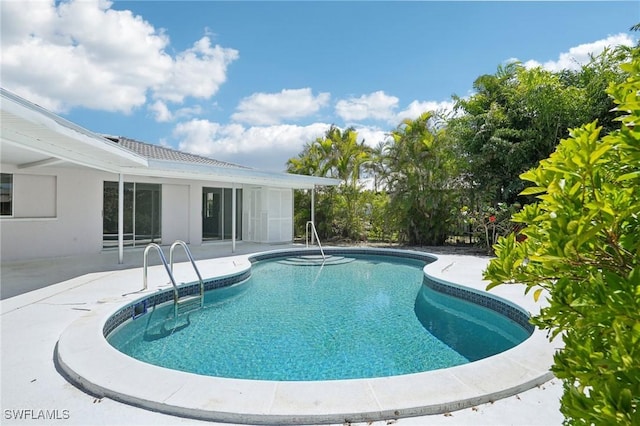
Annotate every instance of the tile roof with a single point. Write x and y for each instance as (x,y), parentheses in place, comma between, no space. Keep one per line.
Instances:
(157,152)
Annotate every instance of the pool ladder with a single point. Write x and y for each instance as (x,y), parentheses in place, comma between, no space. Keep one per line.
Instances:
(182,304)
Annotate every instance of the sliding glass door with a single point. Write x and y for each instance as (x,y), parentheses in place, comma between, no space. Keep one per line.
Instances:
(146,213)
(142,219)
(217,214)
(212,213)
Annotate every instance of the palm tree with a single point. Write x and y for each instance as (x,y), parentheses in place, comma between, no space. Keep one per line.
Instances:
(338,154)
(419,174)
(348,157)
(375,166)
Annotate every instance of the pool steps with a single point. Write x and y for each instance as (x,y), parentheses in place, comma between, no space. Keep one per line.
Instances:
(187,304)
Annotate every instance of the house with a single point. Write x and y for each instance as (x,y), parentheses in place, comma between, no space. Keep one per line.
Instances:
(66,191)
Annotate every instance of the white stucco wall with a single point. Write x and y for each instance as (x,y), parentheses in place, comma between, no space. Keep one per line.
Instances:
(195,213)
(58,212)
(47,225)
(175,213)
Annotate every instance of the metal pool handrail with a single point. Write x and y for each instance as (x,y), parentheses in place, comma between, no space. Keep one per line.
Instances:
(311,225)
(190,256)
(145,265)
(187,301)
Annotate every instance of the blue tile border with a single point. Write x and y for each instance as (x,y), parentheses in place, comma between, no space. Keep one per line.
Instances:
(508,310)
(502,307)
(163,296)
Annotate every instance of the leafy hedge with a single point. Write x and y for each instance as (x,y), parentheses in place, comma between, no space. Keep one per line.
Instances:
(583,248)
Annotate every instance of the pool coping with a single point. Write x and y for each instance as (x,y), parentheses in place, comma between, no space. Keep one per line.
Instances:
(88,361)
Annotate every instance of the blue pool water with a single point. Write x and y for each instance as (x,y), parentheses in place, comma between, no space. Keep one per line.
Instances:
(372,317)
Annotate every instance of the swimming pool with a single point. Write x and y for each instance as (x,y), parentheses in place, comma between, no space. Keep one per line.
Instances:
(365,316)
(88,361)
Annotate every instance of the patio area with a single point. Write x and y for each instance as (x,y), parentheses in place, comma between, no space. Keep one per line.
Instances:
(40,299)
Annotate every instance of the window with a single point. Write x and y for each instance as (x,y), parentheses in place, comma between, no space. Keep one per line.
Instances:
(6,194)
(141,214)
(217,213)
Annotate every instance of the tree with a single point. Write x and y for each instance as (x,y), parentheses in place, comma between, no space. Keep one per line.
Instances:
(374,167)
(420,171)
(338,154)
(348,160)
(594,77)
(583,250)
(515,119)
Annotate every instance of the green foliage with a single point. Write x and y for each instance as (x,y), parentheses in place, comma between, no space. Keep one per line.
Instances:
(487,223)
(583,248)
(432,165)
(421,169)
(301,211)
(337,154)
(518,116)
(594,78)
(380,220)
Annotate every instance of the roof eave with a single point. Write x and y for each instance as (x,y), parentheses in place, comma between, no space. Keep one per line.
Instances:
(179,170)
(33,128)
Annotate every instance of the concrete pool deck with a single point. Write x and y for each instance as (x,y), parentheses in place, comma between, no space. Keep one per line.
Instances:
(33,322)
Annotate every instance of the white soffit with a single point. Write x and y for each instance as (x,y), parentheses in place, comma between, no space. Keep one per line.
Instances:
(178,170)
(48,137)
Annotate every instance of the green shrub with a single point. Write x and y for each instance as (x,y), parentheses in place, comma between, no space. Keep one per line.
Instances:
(583,248)
(487,223)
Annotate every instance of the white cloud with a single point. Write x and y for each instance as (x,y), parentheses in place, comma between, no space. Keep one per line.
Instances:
(273,108)
(197,72)
(83,53)
(382,107)
(372,136)
(160,112)
(374,106)
(416,108)
(262,147)
(580,55)
(187,112)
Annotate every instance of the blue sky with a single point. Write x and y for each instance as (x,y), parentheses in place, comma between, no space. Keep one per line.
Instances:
(251,82)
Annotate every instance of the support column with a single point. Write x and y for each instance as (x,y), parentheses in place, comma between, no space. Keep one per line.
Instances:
(120,218)
(313,211)
(234,226)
